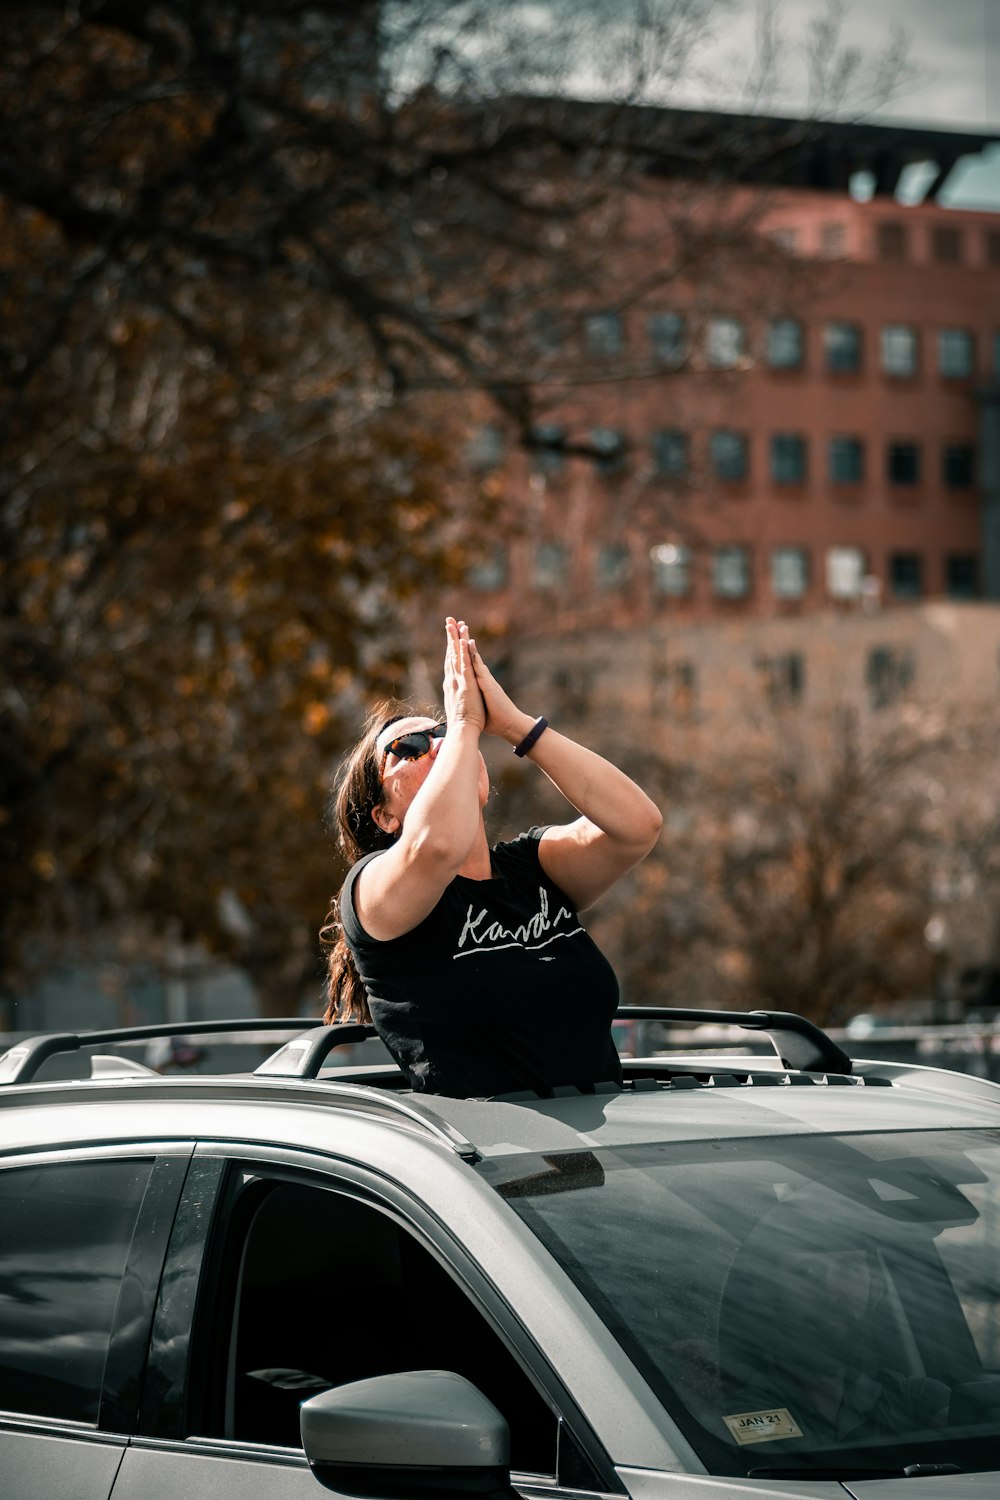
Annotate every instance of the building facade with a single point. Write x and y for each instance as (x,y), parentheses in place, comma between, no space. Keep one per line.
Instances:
(814,425)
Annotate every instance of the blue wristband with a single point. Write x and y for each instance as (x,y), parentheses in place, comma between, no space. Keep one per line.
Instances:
(532,736)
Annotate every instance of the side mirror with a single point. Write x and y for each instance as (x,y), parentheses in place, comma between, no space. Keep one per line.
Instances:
(401,1437)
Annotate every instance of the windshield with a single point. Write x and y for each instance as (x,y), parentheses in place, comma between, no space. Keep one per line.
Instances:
(806,1302)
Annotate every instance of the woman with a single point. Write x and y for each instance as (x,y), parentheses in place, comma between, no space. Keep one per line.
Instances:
(471,961)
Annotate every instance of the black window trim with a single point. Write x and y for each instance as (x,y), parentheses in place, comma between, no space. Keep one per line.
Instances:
(198,1249)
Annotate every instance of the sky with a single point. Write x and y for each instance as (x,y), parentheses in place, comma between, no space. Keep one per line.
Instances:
(953,68)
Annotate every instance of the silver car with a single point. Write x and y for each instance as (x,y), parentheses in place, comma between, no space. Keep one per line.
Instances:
(736,1276)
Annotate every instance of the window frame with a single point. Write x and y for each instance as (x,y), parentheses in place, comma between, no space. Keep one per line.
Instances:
(196,1264)
(900,562)
(952,587)
(675,443)
(948,341)
(835,569)
(669,337)
(547,454)
(947,245)
(890,671)
(958,474)
(898,449)
(612,567)
(891,338)
(729,555)
(720,330)
(892,242)
(738,440)
(604,333)
(778,556)
(838,446)
(833,358)
(671,579)
(788,457)
(551,565)
(610,445)
(775,329)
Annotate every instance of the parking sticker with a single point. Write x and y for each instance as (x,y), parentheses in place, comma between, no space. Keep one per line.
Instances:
(763,1426)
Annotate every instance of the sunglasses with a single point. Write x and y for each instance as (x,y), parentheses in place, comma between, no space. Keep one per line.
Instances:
(413,745)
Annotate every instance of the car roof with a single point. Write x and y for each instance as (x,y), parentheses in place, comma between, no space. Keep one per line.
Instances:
(710,1112)
(682,1097)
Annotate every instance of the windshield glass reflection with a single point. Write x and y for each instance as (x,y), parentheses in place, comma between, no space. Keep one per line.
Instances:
(794,1302)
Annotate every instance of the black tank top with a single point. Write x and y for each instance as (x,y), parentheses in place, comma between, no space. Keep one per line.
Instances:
(499,990)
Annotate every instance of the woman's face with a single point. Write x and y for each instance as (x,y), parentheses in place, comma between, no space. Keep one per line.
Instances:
(402,779)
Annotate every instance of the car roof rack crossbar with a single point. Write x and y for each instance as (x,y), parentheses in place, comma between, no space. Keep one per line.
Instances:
(801,1044)
(20,1063)
(304,1055)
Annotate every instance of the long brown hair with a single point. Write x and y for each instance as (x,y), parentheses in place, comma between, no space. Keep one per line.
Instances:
(357,791)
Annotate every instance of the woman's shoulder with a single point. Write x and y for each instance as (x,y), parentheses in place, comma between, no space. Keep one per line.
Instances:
(353,930)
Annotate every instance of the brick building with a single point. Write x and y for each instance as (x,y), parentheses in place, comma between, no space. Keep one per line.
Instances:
(812,426)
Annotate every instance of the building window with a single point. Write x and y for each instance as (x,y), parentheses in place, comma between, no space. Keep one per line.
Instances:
(726,343)
(891,241)
(956,352)
(958,466)
(996,354)
(961,573)
(547,445)
(993,247)
(604,333)
(671,569)
(842,347)
(551,565)
(490,573)
(906,575)
(784,344)
(670,452)
(485,449)
(788,458)
(782,678)
(668,338)
(731,572)
(832,240)
(787,238)
(899,349)
(609,449)
(728,451)
(889,673)
(903,463)
(547,330)
(946,243)
(845,572)
(847,460)
(789,572)
(612,565)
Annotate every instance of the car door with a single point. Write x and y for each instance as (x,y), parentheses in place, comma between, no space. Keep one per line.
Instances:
(287,1275)
(82,1239)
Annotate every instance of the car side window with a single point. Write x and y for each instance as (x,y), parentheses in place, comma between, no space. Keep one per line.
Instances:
(65,1232)
(325,1289)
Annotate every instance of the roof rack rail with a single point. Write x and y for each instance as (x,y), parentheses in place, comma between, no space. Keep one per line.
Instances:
(304,1055)
(20,1063)
(800,1044)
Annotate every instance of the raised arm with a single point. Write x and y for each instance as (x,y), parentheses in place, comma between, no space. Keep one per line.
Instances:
(618,825)
(434,805)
